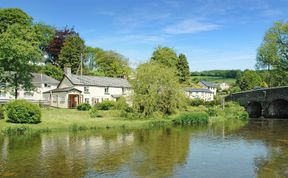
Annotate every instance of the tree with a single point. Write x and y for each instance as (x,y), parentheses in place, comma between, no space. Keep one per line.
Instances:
(71,52)
(112,64)
(249,80)
(165,56)
(183,68)
(53,71)
(45,34)
(57,42)
(156,89)
(273,52)
(10,16)
(19,50)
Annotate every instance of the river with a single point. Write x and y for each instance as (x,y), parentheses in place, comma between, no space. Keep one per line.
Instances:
(258,149)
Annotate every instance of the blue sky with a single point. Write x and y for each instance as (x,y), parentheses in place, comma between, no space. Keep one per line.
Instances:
(214,34)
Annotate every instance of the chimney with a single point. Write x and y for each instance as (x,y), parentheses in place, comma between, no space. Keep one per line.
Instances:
(67,71)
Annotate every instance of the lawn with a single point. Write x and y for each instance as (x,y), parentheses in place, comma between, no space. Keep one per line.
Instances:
(70,119)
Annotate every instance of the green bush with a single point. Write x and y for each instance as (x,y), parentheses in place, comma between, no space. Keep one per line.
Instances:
(121,104)
(21,111)
(84,107)
(94,113)
(1,112)
(105,105)
(194,118)
(197,102)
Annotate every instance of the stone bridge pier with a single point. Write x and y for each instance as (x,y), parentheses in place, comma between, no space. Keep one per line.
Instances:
(268,102)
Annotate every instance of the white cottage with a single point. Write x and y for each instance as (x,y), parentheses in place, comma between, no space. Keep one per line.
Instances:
(210,86)
(75,89)
(41,82)
(199,93)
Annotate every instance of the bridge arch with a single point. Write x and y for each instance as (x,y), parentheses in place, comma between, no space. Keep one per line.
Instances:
(278,109)
(254,109)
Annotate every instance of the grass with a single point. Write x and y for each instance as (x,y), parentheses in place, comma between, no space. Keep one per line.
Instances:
(214,79)
(68,119)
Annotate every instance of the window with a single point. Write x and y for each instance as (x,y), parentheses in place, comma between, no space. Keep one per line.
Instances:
(124,91)
(62,99)
(86,89)
(47,85)
(2,94)
(106,91)
(28,94)
(87,100)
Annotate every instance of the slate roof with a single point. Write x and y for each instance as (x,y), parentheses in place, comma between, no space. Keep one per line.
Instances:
(208,84)
(204,90)
(58,90)
(98,81)
(43,78)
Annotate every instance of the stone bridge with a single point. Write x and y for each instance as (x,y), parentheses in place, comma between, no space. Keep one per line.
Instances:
(266,102)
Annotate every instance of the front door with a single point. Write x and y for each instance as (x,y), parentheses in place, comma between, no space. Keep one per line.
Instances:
(73,101)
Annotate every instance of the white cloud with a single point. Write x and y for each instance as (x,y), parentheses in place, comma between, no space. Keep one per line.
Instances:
(190,26)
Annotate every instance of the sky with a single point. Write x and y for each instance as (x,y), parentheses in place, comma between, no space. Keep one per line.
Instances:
(213,34)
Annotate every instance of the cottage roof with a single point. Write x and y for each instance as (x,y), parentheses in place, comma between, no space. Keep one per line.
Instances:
(98,81)
(208,84)
(66,89)
(43,78)
(203,90)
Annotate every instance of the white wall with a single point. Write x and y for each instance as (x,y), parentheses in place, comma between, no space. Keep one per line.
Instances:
(201,95)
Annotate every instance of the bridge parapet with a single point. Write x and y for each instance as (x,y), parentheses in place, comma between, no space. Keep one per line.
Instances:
(266,102)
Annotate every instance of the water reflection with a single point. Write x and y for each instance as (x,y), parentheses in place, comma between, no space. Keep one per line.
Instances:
(259,149)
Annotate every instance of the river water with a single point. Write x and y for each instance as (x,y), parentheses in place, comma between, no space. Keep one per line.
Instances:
(258,149)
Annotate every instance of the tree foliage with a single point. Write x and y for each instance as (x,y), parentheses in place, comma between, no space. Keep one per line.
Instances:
(182,67)
(71,52)
(19,50)
(45,34)
(10,16)
(166,56)
(57,42)
(112,64)
(273,52)
(156,89)
(53,71)
(249,80)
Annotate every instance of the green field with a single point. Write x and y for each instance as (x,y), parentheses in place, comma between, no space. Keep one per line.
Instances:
(214,79)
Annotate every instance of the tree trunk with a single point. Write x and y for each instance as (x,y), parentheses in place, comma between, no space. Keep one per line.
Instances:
(16,93)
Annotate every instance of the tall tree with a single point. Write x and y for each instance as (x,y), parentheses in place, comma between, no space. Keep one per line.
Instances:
(156,88)
(166,56)
(19,50)
(10,16)
(71,52)
(249,80)
(183,68)
(112,64)
(57,42)
(45,34)
(273,52)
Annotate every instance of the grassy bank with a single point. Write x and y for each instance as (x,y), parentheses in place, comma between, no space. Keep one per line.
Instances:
(73,120)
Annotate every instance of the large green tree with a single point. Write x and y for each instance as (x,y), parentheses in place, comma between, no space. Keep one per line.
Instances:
(45,34)
(249,80)
(71,52)
(19,50)
(156,89)
(112,64)
(166,56)
(183,68)
(10,16)
(273,52)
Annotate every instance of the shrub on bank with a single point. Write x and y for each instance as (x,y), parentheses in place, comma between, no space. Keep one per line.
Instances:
(121,104)
(197,102)
(194,118)
(1,112)
(21,111)
(94,113)
(105,105)
(84,107)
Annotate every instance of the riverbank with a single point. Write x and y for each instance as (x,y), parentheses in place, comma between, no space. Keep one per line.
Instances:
(73,120)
